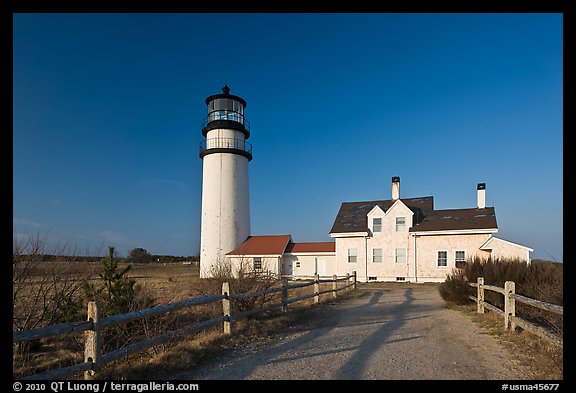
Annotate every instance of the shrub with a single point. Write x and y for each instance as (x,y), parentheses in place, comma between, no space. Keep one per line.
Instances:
(538,280)
(455,289)
(242,279)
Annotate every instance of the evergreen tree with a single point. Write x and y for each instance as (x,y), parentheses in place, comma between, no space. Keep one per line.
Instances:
(117,293)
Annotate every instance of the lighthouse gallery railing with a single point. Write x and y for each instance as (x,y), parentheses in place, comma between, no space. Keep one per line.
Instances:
(225,143)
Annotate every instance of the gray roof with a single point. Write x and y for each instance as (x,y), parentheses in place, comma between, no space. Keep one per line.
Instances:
(457,219)
(352,216)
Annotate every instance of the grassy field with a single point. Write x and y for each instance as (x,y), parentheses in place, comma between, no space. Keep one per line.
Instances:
(166,283)
(156,284)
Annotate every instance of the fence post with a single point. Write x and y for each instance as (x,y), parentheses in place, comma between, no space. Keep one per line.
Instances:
(284,295)
(334,286)
(92,341)
(480,293)
(227,308)
(509,305)
(354,280)
(347,280)
(316,288)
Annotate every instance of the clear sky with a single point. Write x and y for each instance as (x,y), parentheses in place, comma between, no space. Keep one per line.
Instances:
(108,111)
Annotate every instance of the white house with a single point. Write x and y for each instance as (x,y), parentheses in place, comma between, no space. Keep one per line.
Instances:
(406,239)
(398,239)
(279,255)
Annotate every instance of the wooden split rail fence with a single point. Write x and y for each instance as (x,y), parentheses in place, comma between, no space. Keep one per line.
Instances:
(509,312)
(92,328)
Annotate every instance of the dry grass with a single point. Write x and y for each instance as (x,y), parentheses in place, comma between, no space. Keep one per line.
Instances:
(166,284)
(174,282)
(544,359)
(191,352)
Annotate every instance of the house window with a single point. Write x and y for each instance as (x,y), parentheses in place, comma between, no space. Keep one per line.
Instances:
(400,224)
(400,278)
(352,255)
(442,258)
(297,263)
(372,278)
(376,255)
(376,225)
(401,255)
(460,259)
(257,263)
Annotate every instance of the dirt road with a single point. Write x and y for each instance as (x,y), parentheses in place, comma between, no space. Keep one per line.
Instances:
(393,331)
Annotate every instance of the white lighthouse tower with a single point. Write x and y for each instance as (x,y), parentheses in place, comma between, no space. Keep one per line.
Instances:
(225,223)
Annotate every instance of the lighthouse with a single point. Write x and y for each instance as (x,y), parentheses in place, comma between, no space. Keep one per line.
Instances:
(225,154)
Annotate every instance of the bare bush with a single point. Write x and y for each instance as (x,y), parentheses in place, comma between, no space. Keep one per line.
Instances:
(45,292)
(242,279)
(539,280)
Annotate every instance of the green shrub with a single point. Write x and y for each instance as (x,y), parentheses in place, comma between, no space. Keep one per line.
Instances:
(455,289)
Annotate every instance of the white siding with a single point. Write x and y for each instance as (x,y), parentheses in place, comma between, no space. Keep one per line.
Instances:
(303,265)
(427,248)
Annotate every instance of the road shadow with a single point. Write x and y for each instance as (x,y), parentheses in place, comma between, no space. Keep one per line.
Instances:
(313,329)
(308,339)
(355,366)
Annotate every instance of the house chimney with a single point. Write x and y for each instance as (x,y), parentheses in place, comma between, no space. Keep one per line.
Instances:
(396,187)
(481,195)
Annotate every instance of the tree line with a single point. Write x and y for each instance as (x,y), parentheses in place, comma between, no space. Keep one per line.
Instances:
(136,255)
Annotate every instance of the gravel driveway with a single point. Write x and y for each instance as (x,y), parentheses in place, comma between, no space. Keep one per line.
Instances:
(392,331)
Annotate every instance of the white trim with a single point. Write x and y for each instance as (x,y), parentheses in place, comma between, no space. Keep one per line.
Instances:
(254,255)
(447,261)
(381,254)
(406,228)
(325,253)
(396,263)
(456,260)
(394,204)
(349,234)
(348,255)
(374,208)
(505,241)
(455,232)
(376,218)
(424,279)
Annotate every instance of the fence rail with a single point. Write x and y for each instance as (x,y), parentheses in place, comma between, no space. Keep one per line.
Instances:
(509,312)
(94,360)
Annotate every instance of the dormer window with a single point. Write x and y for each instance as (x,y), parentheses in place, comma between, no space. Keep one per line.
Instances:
(376,225)
(400,224)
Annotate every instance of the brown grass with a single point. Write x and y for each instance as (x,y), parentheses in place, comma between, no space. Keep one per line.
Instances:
(164,284)
(543,359)
(191,352)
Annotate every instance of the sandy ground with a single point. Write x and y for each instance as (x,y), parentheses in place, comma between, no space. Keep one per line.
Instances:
(389,332)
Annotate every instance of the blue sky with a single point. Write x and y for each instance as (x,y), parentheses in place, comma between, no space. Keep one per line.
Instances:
(108,111)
